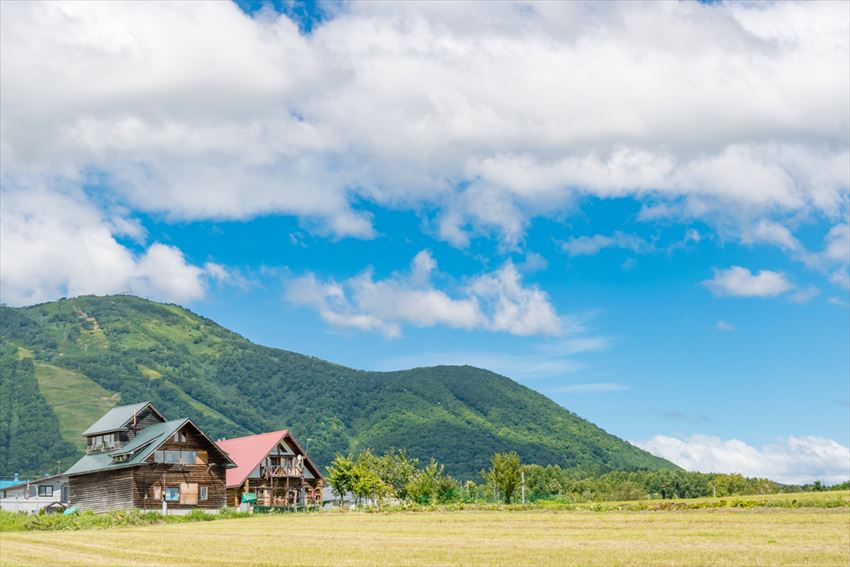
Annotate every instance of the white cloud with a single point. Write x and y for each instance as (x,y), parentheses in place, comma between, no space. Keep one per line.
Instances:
(552,358)
(227,276)
(533,262)
(769,232)
(589,245)
(740,282)
(56,243)
(792,460)
(495,301)
(724,326)
(513,307)
(836,255)
(590,388)
(197,111)
(837,244)
(805,295)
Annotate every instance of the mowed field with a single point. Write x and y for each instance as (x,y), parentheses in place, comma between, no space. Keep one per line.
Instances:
(725,536)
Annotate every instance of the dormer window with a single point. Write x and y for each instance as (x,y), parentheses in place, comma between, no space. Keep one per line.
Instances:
(102,442)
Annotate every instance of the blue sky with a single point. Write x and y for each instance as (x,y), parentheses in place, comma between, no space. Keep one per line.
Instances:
(664,365)
(644,219)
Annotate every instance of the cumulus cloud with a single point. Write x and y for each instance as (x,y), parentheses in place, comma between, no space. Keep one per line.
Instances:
(740,282)
(836,254)
(837,244)
(769,232)
(589,245)
(56,243)
(793,460)
(198,111)
(495,301)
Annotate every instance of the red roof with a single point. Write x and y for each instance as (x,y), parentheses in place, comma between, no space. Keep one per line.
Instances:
(247,452)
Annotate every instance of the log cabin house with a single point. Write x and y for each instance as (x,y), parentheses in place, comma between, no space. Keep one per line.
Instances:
(135,458)
(275,468)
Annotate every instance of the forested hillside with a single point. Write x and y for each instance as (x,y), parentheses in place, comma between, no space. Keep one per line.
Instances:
(64,363)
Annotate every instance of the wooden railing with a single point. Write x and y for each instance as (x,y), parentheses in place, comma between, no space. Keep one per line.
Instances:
(279,471)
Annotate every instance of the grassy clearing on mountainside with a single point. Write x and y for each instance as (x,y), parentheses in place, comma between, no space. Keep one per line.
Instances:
(77,400)
(724,536)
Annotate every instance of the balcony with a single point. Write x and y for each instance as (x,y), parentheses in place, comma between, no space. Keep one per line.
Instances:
(287,469)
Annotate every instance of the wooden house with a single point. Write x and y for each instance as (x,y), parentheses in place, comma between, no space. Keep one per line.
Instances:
(275,468)
(135,458)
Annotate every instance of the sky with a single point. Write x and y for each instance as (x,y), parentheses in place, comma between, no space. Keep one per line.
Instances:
(638,210)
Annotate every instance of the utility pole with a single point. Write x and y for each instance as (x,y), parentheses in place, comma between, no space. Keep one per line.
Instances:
(522,476)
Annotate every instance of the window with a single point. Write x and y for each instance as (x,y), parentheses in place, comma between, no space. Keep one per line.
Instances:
(179,437)
(186,457)
(172,493)
(45,490)
(202,492)
(108,441)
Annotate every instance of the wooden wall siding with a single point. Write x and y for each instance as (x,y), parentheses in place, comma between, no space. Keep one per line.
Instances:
(102,492)
(143,419)
(193,442)
(256,485)
(233,496)
(149,481)
(209,472)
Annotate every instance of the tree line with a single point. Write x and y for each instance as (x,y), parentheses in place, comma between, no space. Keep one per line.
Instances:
(395,476)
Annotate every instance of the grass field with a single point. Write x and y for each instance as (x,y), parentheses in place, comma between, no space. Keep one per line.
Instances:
(724,536)
(77,400)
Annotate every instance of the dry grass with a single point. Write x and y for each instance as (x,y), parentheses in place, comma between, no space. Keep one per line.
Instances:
(692,537)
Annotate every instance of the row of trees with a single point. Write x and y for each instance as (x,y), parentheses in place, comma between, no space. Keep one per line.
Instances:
(391,475)
(370,477)
(373,478)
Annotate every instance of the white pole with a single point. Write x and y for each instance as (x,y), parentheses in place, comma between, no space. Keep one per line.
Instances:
(522,476)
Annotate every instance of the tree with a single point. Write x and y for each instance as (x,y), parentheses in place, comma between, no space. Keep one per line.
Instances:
(505,473)
(431,485)
(341,476)
(367,484)
(394,468)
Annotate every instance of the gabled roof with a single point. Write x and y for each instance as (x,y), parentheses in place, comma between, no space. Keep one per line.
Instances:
(141,446)
(248,451)
(118,418)
(144,443)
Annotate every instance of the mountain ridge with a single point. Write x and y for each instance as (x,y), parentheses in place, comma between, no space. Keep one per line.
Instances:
(67,360)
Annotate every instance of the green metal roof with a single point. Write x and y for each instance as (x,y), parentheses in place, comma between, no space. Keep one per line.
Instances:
(143,444)
(116,418)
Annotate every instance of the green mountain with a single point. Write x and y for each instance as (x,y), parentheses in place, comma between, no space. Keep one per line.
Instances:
(63,364)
